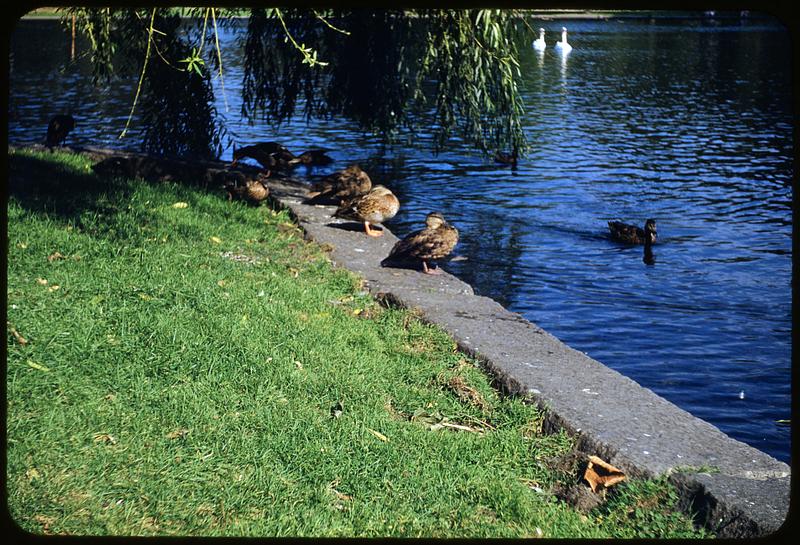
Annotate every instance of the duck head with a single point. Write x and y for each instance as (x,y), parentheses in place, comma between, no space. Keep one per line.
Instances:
(650,232)
(434,220)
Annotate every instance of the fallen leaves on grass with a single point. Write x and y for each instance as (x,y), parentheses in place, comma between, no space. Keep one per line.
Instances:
(38,366)
(215,240)
(19,338)
(33,474)
(436,421)
(600,473)
(180,204)
(46,522)
(55,256)
(177,434)
(42,281)
(54,287)
(379,435)
(102,437)
(467,393)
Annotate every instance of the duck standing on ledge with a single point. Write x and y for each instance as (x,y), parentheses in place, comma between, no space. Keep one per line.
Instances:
(343,185)
(58,128)
(377,206)
(436,241)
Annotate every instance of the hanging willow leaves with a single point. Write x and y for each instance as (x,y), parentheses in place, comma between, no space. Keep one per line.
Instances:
(453,73)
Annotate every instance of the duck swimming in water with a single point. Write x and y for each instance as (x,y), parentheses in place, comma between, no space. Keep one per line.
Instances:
(377,206)
(434,242)
(506,158)
(631,234)
(58,128)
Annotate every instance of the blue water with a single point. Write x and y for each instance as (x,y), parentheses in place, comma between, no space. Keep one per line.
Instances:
(687,122)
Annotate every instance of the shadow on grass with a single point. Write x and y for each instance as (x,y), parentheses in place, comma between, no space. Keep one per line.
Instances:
(60,191)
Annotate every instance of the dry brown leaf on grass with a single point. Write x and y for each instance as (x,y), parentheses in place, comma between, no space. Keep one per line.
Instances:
(19,338)
(104,438)
(178,434)
(55,256)
(467,393)
(601,473)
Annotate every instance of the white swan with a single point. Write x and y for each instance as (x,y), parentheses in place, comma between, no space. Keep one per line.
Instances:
(539,44)
(563,46)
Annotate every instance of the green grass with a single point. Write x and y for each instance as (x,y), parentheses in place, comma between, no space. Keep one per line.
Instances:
(185,379)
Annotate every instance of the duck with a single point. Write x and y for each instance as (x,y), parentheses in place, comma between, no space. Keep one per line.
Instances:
(343,185)
(270,155)
(58,128)
(506,158)
(253,191)
(539,44)
(312,157)
(435,241)
(631,234)
(376,206)
(563,46)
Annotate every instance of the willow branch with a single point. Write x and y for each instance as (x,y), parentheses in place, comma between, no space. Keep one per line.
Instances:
(141,77)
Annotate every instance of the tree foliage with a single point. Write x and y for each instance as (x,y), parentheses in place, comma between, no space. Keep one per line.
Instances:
(453,72)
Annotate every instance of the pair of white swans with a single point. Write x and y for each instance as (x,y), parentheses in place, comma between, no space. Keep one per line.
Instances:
(562,46)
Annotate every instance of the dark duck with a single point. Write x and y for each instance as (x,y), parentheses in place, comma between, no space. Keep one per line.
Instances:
(312,158)
(631,234)
(58,128)
(434,242)
(506,158)
(270,155)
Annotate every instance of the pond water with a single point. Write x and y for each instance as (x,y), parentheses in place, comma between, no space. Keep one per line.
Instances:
(685,121)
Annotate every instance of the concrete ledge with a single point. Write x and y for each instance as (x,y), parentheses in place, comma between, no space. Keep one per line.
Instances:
(729,487)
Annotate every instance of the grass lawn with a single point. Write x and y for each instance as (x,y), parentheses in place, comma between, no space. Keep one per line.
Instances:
(202,370)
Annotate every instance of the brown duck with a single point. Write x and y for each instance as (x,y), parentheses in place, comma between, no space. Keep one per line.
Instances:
(436,241)
(252,191)
(58,128)
(340,186)
(506,158)
(377,206)
(631,234)
(270,155)
(313,157)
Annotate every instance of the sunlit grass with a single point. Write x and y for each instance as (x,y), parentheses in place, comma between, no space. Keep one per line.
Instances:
(202,370)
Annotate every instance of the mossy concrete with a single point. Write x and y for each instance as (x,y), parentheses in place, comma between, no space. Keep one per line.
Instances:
(731,488)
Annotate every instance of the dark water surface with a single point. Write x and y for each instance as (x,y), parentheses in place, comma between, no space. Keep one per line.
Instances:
(686,122)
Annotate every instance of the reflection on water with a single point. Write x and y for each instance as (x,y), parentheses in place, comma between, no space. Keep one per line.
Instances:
(685,122)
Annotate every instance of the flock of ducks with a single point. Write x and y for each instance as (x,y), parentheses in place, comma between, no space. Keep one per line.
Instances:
(351,190)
